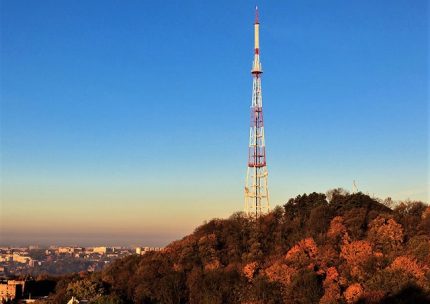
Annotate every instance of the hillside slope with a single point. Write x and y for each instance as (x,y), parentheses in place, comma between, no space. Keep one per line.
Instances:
(352,249)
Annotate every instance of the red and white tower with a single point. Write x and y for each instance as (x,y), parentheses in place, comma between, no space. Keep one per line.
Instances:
(256,191)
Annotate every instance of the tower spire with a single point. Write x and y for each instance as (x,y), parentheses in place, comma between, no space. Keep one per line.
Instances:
(256,32)
(256,191)
(256,66)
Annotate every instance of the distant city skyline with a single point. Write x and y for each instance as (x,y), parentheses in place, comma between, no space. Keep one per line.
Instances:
(112,113)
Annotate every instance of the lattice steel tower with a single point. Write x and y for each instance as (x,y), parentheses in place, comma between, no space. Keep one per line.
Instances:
(256,191)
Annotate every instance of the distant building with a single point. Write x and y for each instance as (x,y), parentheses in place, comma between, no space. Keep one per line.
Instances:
(66,250)
(143,250)
(11,290)
(63,249)
(6,257)
(102,250)
(7,292)
(21,258)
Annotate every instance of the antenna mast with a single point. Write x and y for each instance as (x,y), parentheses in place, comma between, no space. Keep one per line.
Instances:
(256,190)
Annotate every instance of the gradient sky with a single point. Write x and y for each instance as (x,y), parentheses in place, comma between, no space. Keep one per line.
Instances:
(126,122)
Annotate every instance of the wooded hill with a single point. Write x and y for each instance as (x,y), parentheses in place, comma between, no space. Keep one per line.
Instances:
(317,248)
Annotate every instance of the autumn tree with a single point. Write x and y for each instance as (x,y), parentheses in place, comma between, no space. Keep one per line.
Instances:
(353,293)
(385,234)
(280,272)
(409,215)
(303,254)
(337,232)
(357,255)
(331,287)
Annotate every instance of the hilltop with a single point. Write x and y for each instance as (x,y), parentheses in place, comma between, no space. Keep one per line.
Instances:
(317,248)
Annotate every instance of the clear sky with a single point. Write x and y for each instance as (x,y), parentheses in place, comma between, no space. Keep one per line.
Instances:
(126,122)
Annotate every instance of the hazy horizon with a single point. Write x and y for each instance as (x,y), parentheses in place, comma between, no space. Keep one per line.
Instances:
(90,240)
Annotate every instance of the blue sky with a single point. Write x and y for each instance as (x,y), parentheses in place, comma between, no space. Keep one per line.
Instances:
(127,121)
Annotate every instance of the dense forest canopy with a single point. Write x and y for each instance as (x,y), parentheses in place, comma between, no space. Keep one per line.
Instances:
(317,248)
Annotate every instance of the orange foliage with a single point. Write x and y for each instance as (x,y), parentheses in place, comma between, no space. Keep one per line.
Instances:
(280,272)
(386,232)
(408,265)
(353,293)
(331,294)
(331,287)
(331,275)
(249,270)
(356,254)
(336,227)
(378,254)
(303,252)
(338,230)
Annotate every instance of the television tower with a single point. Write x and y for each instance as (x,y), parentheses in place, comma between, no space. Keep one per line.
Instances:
(256,191)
